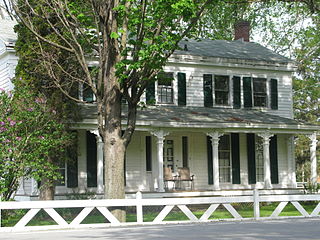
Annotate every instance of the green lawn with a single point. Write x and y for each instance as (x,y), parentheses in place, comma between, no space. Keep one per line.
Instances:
(245,210)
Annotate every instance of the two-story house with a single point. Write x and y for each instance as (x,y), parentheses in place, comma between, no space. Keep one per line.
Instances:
(223,109)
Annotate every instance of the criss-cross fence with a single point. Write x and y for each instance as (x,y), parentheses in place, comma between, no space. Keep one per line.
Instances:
(138,206)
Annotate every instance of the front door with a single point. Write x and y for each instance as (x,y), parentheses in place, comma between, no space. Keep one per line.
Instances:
(171,153)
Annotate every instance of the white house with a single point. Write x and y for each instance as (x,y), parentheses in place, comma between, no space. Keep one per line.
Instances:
(223,109)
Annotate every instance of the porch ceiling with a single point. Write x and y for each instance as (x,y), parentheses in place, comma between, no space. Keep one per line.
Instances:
(208,118)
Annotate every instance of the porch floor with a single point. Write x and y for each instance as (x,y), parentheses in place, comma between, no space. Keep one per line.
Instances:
(212,193)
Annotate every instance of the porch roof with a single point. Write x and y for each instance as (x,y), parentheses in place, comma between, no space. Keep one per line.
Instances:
(209,118)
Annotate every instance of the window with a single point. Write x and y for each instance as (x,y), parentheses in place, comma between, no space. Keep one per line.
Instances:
(62,170)
(224,159)
(259,92)
(259,159)
(148,153)
(221,90)
(165,88)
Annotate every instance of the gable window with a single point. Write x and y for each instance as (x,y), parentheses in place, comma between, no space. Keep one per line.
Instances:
(165,88)
(221,90)
(260,92)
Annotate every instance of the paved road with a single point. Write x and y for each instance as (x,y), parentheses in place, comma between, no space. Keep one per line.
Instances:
(302,229)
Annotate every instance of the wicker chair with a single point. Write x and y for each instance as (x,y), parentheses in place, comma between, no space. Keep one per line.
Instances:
(184,175)
(169,177)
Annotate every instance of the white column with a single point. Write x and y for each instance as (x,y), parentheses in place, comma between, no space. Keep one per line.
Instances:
(82,162)
(34,187)
(313,157)
(291,162)
(215,158)
(266,158)
(99,161)
(160,138)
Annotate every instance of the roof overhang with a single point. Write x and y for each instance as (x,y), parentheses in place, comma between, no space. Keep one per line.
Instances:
(201,119)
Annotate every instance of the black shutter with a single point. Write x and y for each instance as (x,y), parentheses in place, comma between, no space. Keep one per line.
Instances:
(185,151)
(72,174)
(148,153)
(91,160)
(273,149)
(235,158)
(182,90)
(274,94)
(150,93)
(210,160)
(207,90)
(236,93)
(247,92)
(251,158)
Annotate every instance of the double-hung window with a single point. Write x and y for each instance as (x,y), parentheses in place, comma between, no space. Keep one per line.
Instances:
(221,90)
(224,159)
(165,88)
(259,159)
(216,90)
(259,92)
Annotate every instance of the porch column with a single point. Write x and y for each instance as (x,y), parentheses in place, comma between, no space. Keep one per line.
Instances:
(99,161)
(266,158)
(34,187)
(82,163)
(291,161)
(215,158)
(160,138)
(313,157)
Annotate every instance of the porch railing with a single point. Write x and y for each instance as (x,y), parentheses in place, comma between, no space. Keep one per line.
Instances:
(167,205)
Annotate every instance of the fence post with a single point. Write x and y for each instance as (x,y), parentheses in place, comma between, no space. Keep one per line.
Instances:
(256,204)
(139,207)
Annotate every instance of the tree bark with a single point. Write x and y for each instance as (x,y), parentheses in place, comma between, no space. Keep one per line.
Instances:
(47,189)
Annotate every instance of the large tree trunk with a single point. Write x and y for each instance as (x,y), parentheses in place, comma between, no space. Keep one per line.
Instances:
(114,152)
(47,189)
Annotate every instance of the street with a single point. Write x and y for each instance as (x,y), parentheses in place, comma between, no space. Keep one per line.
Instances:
(307,229)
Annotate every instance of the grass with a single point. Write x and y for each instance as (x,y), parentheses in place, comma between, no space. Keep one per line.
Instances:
(245,210)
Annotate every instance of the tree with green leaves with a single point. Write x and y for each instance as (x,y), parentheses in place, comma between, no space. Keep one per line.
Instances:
(119,47)
(29,137)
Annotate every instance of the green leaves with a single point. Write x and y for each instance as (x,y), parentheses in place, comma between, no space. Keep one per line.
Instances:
(29,135)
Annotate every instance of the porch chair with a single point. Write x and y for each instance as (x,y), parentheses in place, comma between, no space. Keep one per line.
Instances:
(169,177)
(184,175)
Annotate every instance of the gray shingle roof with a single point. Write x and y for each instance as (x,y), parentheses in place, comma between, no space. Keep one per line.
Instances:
(230,49)
(7,33)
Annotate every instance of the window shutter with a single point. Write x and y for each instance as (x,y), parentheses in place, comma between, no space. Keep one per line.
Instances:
(210,163)
(91,160)
(274,94)
(274,160)
(182,91)
(72,174)
(185,151)
(236,93)
(247,92)
(251,158)
(207,90)
(150,93)
(235,158)
(148,153)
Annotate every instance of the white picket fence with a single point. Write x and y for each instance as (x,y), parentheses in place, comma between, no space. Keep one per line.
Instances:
(168,204)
